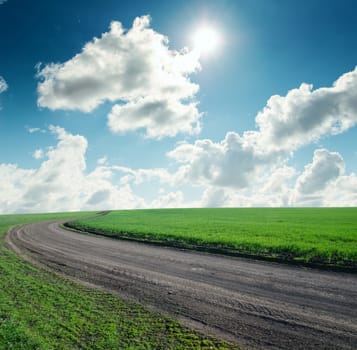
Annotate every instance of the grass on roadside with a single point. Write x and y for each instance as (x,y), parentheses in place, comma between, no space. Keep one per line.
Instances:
(39,310)
(325,236)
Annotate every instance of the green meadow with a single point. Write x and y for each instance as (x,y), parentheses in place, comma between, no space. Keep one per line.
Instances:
(42,311)
(321,236)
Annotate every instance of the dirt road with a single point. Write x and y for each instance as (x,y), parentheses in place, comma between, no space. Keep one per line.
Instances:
(255,304)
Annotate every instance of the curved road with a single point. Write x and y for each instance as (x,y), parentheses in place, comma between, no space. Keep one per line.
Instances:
(254,304)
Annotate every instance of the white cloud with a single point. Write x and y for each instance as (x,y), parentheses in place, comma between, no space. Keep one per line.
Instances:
(270,189)
(61,182)
(135,68)
(99,197)
(305,115)
(102,161)
(325,167)
(338,191)
(278,181)
(342,192)
(38,154)
(214,197)
(3,84)
(284,125)
(33,130)
(233,162)
(139,176)
(323,182)
(2,2)
(241,170)
(266,181)
(13,181)
(160,118)
(169,200)
(251,170)
(223,197)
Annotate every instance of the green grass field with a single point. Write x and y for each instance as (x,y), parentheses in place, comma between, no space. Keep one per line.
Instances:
(325,236)
(39,310)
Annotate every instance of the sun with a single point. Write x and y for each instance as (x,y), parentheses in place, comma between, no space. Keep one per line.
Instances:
(206,40)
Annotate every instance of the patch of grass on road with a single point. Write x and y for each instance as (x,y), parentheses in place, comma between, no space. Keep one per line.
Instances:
(324,236)
(39,310)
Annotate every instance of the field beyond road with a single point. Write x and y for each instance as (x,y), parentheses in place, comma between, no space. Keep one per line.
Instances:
(319,236)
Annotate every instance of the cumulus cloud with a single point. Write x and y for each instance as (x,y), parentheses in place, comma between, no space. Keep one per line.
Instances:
(13,181)
(325,167)
(305,115)
(342,192)
(34,130)
(139,176)
(3,84)
(214,197)
(251,169)
(169,200)
(160,118)
(284,125)
(98,197)
(279,181)
(61,183)
(241,170)
(38,154)
(323,182)
(271,189)
(223,197)
(339,193)
(137,70)
(102,161)
(233,162)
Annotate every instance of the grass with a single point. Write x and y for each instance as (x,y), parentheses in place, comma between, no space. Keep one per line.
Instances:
(42,311)
(320,236)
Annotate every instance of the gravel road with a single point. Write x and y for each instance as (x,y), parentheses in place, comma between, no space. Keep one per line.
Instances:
(257,305)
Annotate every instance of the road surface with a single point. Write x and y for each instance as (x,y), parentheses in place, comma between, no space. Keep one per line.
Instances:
(254,304)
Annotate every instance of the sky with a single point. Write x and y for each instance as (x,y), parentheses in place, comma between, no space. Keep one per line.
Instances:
(151,104)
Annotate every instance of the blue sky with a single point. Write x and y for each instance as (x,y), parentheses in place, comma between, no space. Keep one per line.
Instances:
(108,105)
